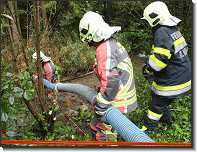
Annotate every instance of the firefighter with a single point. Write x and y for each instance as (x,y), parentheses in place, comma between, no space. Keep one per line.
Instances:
(169,66)
(113,69)
(49,72)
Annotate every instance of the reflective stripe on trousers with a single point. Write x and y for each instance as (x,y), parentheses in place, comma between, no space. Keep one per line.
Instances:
(171,90)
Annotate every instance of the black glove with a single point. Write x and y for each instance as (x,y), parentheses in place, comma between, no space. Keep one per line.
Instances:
(100,110)
(147,74)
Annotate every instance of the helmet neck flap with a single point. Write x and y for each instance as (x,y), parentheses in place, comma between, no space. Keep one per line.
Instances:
(42,56)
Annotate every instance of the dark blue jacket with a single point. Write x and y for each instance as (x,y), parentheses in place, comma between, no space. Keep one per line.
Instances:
(169,63)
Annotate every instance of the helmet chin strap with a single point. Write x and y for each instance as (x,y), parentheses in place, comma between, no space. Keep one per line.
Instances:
(91,43)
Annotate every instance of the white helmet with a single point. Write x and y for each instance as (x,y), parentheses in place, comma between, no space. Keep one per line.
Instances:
(157,13)
(42,56)
(92,27)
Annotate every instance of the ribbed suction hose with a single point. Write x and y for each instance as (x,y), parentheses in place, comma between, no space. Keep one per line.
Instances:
(128,130)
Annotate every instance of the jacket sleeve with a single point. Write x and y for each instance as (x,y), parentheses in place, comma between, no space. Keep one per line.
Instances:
(109,77)
(163,43)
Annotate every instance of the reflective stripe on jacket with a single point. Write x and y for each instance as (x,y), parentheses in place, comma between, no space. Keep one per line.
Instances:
(170,63)
(114,69)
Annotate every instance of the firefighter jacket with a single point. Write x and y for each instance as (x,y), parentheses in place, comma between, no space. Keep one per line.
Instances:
(169,63)
(114,70)
(50,72)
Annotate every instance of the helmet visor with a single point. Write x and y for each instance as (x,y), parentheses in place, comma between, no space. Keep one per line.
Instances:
(84,31)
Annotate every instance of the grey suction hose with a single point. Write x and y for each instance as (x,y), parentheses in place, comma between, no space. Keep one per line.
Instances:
(128,130)
(84,91)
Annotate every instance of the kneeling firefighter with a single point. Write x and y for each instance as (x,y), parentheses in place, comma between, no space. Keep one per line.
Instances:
(114,70)
(169,64)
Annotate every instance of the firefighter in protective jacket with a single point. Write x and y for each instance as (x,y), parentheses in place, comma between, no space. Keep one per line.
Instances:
(49,72)
(114,70)
(168,67)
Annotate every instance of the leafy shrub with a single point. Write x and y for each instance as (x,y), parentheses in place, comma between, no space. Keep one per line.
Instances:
(12,111)
(76,57)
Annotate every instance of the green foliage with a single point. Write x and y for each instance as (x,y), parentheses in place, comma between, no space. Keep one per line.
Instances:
(76,55)
(11,96)
(4,24)
(61,132)
(49,6)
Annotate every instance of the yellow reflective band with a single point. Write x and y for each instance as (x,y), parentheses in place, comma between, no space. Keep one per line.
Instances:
(124,67)
(171,88)
(163,51)
(126,87)
(126,94)
(179,41)
(107,126)
(123,93)
(51,62)
(154,114)
(129,62)
(101,99)
(99,113)
(122,49)
(109,133)
(158,62)
(95,61)
(147,71)
(129,69)
(124,103)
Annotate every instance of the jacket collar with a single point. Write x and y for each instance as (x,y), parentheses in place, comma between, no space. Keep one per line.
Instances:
(155,28)
(98,43)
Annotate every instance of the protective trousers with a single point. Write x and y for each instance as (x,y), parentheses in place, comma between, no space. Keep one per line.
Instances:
(159,110)
(102,131)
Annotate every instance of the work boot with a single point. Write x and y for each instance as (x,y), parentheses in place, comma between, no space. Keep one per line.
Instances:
(145,129)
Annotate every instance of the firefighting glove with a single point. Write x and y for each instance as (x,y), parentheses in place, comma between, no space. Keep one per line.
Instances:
(35,77)
(100,109)
(147,74)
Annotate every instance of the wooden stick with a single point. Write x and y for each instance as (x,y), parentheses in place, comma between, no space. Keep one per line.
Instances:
(74,77)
